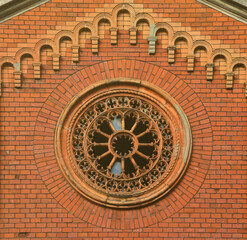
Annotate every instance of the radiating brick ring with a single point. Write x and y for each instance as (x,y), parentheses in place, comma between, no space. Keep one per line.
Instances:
(123,148)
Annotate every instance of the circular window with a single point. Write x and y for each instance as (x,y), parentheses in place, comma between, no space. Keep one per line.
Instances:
(122,147)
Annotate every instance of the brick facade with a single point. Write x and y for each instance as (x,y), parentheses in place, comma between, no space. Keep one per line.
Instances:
(53,52)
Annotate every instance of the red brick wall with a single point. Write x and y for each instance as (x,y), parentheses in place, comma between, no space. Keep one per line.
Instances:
(210,200)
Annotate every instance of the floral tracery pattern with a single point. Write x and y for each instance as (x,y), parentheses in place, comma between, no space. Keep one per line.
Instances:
(121,144)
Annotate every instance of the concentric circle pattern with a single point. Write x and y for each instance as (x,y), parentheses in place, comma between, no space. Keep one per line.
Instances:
(56,155)
(121,147)
(122,144)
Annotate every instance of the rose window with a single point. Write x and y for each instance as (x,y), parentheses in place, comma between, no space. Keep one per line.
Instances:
(123,148)
(118,141)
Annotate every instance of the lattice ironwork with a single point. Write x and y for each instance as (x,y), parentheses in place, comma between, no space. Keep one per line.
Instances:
(122,144)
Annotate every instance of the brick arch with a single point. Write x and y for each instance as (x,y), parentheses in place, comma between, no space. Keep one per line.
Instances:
(225,54)
(237,61)
(204,44)
(6,60)
(183,35)
(102,17)
(168,28)
(118,70)
(3,63)
(144,16)
(124,7)
(61,35)
(26,51)
(79,27)
(45,42)
(243,62)
(154,27)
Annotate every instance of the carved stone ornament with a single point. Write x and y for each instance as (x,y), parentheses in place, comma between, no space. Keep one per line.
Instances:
(123,143)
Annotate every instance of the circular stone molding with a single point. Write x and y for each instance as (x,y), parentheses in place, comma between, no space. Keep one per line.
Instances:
(123,148)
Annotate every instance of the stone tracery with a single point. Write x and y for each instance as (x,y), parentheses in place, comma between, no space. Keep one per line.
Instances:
(129,144)
(123,146)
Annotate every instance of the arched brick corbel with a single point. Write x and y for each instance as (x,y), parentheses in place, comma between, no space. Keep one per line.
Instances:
(17,65)
(93,27)
(95,37)
(37,49)
(152,30)
(115,12)
(100,17)
(121,7)
(63,34)
(3,61)
(76,46)
(25,51)
(229,79)
(151,38)
(237,61)
(224,53)
(144,16)
(198,44)
(42,43)
(184,35)
(131,11)
(56,55)
(168,28)
(210,66)
(205,44)
(190,55)
(170,33)
(83,25)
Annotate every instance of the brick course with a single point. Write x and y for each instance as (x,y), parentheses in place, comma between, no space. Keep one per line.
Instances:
(36,201)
